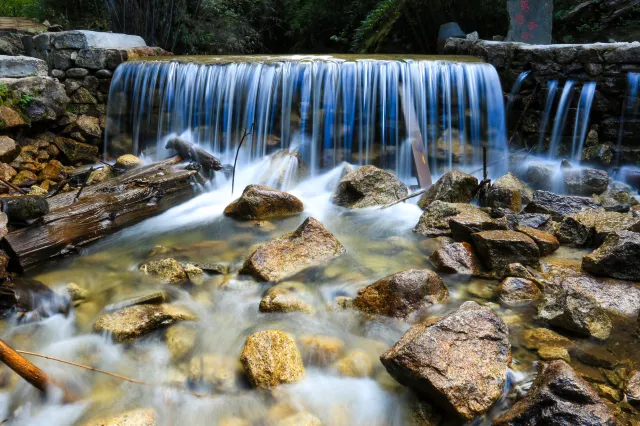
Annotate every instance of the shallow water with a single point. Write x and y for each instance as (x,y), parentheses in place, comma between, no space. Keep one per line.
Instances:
(378,243)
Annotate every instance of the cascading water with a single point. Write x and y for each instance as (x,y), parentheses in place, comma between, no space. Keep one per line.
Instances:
(561,118)
(516,89)
(581,126)
(552,90)
(329,110)
(629,108)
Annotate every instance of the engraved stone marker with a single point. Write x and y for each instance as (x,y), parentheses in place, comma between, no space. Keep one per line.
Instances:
(531,21)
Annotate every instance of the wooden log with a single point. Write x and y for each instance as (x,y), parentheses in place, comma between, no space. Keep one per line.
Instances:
(102,210)
(193,153)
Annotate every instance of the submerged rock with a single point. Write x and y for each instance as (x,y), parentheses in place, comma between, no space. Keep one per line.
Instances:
(543,337)
(498,249)
(558,396)
(617,257)
(271,358)
(585,181)
(510,181)
(546,242)
(437,218)
(321,350)
(355,364)
(300,419)
(457,258)
(261,202)
(22,295)
(136,321)
(368,186)
(139,417)
(452,187)
(180,340)
(460,361)
(293,252)
(514,292)
(400,295)
(286,297)
(560,205)
(170,270)
(592,228)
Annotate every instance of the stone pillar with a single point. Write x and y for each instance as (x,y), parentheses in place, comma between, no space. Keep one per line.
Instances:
(531,21)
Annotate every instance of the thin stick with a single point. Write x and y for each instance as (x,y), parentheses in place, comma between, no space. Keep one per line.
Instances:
(77,197)
(408,197)
(117,376)
(499,161)
(12,186)
(524,112)
(521,161)
(244,136)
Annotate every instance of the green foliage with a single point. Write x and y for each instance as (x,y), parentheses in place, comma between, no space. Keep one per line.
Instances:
(4,90)
(24,101)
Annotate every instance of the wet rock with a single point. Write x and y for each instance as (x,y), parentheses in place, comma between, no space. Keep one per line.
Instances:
(514,292)
(368,186)
(154,298)
(139,417)
(24,177)
(89,126)
(286,297)
(543,337)
(293,252)
(550,353)
(546,242)
(22,295)
(100,175)
(300,419)
(592,228)
(457,258)
(459,361)
(24,208)
(498,249)
(76,151)
(271,358)
(9,149)
(261,202)
(585,181)
(54,171)
(560,205)
(437,218)
(134,322)
(632,389)
(128,162)
(503,198)
(170,270)
(7,172)
(402,294)
(320,350)
(518,270)
(558,396)
(10,118)
(617,257)
(595,355)
(510,181)
(180,340)
(77,293)
(452,187)
(355,364)
(218,372)
(540,176)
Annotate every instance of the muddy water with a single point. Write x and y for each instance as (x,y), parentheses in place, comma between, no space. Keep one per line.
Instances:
(378,243)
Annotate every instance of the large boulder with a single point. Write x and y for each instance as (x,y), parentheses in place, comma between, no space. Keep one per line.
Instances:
(510,181)
(585,181)
(48,98)
(271,358)
(457,258)
(459,362)
(498,249)
(136,321)
(368,186)
(22,66)
(541,176)
(452,187)
(617,257)
(293,252)
(586,306)
(558,396)
(498,197)
(83,39)
(440,219)
(546,242)
(400,295)
(560,205)
(261,202)
(593,227)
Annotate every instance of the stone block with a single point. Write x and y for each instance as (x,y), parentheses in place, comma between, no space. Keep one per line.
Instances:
(22,66)
(81,39)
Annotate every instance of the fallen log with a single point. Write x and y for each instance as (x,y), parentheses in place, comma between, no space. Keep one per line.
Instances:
(190,152)
(101,210)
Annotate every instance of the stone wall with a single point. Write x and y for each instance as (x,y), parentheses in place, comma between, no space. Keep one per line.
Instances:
(607,64)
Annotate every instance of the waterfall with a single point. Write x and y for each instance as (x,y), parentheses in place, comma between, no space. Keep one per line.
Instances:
(329,110)
(561,118)
(629,108)
(516,89)
(552,90)
(581,126)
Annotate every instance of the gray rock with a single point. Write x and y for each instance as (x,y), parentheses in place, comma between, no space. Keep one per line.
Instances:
(368,186)
(632,389)
(498,197)
(592,228)
(560,205)
(460,361)
(9,149)
(104,73)
(77,73)
(457,258)
(22,66)
(402,294)
(540,176)
(59,74)
(558,396)
(531,23)
(262,202)
(585,181)
(511,181)
(435,221)
(24,208)
(61,59)
(617,257)
(42,42)
(498,249)
(452,187)
(11,44)
(94,59)
(80,39)
(515,292)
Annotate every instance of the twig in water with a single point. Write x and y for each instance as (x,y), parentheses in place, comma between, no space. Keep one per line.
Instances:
(12,186)
(233,176)
(521,161)
(77,197)
(498,161)
(59,188)
(402,200)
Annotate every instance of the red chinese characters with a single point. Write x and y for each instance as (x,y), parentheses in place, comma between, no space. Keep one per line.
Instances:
(533,26)
(520,19)
(527,36)
(524,5)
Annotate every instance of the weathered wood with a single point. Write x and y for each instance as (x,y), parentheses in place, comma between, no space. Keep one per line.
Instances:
(102,210)
(193,153)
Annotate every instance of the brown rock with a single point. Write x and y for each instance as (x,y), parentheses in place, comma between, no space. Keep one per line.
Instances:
(321,350)
(543,337)
(169,270)
(24,177)
(632,389)
(286,297)
(76,151)
(546,242)
(440,219)
(9,149)
(514,292)
(54,170)
(593,227)
(452,187)
(139,417)
(261,202)
(368,186)
(510,181)
(498,249)
(402,294)
(89,126)
(9,118)
(618,257)
(355,364)
(270,358)
(457,258)
(7,172)
(128,162)
(293,252)
(558,396)
(460,361)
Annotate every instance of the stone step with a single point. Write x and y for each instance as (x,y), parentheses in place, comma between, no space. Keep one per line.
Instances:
(22,66)
(81,39)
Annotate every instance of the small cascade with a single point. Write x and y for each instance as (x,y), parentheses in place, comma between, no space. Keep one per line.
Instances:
(561,117)
(552,90)
(629,108)
(581,126)
(329,110)
(516,89)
